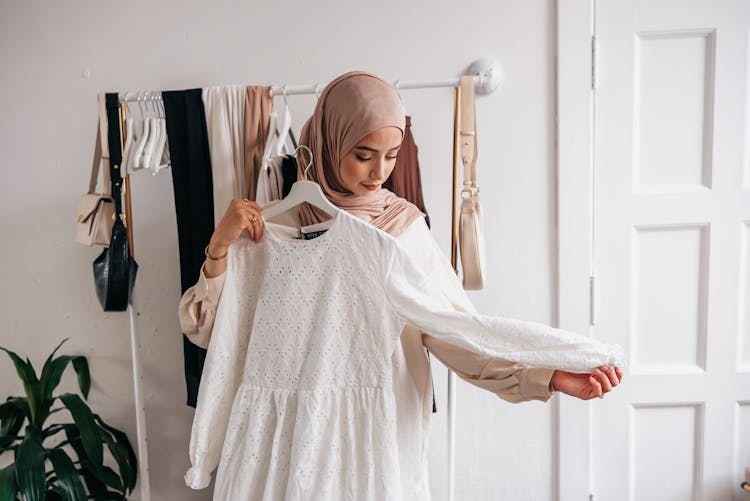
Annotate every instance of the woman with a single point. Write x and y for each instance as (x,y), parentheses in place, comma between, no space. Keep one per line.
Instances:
(354,135)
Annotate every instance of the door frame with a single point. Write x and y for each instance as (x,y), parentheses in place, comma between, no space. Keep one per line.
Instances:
(574,157)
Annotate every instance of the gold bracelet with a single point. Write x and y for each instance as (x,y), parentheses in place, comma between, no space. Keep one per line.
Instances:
(209,256)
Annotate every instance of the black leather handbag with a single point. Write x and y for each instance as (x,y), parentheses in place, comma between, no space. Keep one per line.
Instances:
(115,269)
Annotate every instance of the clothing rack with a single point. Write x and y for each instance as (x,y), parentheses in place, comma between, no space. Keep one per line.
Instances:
(487,75)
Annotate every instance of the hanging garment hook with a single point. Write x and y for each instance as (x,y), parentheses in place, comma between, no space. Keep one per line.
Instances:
(139,100)
(396,84)
(286,100)
(309,164)
(317,90)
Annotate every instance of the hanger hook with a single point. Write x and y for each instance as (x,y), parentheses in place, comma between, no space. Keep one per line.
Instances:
(397,84)
(317,90)
(138,99)
(309,164)
(286,100)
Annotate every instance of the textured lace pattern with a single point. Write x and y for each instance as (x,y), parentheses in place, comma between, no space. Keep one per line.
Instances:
(296,400)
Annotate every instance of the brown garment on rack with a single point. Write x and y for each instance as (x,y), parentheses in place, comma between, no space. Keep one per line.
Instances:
(406,180)
(258,103)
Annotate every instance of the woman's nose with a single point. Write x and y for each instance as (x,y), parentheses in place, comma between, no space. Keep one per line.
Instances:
(378,171)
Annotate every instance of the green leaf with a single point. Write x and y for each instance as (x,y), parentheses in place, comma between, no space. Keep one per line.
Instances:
(112,496)
(84,420)
(97,489)
(81,366)
(121,449)
(110,477)
(21,404)
(68,481)
(51,355)
(30,466)
(8,487)
(30,382)
(12,418)
(54,495)
(51,430)
(95,476)
(52,373)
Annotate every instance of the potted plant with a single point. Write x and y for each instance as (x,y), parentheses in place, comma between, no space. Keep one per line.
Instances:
(70,469)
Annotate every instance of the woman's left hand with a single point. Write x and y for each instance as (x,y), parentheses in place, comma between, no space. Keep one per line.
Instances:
(587,386)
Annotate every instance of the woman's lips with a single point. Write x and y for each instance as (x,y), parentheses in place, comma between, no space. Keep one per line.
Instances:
(371,187)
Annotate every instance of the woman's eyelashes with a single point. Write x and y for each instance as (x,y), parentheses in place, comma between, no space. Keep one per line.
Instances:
(365,159)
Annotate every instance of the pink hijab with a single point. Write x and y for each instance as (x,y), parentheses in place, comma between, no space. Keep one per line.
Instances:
(351,107)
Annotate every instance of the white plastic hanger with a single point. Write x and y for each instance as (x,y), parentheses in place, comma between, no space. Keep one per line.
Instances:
(269,148)
(397,84)
(153,137)
(129,127)
(283,127)
(137,135)
(157,160)
(301,192)
(138,158)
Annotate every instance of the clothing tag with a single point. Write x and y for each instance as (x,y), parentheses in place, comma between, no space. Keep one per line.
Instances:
(312,234)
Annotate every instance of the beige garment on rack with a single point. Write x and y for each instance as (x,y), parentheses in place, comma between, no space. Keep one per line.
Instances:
(258,103)
(225,120)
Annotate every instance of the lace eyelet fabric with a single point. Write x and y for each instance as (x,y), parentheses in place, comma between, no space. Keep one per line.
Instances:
(296,400)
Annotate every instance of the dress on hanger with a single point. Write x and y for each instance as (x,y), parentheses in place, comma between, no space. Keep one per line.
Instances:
(412,383)
(274,412)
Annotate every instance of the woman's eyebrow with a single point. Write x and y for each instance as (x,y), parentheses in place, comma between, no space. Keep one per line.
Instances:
(367,148)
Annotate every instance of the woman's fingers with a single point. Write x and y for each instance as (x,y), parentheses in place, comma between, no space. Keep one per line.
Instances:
(249,212)
(595,385)
(254,225)
(611,374)
(603,378)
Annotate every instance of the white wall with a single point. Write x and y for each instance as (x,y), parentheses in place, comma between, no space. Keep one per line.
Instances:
(47,125)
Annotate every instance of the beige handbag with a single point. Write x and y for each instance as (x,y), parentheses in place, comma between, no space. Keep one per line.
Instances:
(96,211)
(471,226)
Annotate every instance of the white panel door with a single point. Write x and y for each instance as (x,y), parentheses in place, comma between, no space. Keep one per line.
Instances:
(671,247)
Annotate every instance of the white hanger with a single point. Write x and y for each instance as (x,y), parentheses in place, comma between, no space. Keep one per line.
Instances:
(283,127)
(153,137)
(128,147)
(157,160)
(137,135)
(269,148)
(302,191)
(397,84)
(138,158)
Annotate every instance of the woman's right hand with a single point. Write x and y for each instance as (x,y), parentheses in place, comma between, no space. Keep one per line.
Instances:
(241,215)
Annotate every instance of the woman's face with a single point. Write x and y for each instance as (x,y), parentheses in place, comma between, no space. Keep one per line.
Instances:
(366,167)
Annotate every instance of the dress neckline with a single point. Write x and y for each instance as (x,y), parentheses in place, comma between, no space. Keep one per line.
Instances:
(276,232)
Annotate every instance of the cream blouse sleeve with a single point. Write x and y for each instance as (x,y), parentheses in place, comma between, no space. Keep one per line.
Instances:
(510,381)
(198,308)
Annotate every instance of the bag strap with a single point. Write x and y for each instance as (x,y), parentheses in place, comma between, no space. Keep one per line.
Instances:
(101,150)
(468,133)
(115,151)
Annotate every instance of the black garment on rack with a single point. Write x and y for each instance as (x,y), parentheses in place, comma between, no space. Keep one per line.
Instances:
(194,203)
(289,173)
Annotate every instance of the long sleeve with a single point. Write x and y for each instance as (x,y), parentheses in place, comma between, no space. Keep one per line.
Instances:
(198,308)
(418,301)
(509,380)
(221,378)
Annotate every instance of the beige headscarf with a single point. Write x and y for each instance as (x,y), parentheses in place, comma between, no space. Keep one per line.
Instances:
(351,107)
